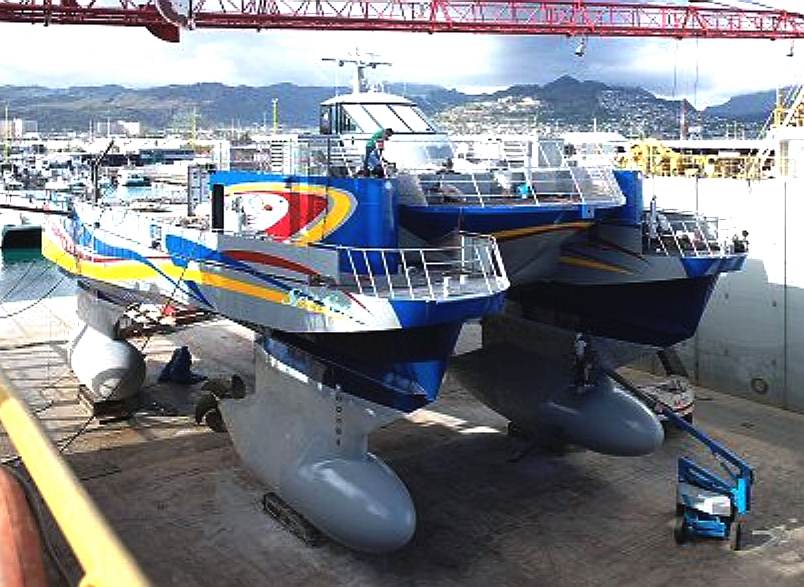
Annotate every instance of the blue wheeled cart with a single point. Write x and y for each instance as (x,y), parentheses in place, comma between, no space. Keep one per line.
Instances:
(707,505)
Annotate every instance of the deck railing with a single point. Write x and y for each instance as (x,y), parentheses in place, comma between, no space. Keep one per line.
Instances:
(686,235)
(34,202)
(104,558)
(527,170)
(304,154)
(544,185)
(471,267)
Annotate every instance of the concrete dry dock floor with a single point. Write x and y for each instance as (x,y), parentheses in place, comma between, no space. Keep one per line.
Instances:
(191,514)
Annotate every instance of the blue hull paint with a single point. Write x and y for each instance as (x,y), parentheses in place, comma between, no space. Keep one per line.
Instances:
(700,266)
(400,369)
(656,313)
(432,223)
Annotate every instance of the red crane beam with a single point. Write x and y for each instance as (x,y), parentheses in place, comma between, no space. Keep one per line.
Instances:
(505,17)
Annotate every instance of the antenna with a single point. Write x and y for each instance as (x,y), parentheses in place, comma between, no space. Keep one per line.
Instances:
(6,135)
(361,62)
(580,50)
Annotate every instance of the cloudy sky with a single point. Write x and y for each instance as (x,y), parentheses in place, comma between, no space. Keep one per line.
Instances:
(60,56)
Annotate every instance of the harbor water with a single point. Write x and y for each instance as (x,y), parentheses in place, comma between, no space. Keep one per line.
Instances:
(26,276)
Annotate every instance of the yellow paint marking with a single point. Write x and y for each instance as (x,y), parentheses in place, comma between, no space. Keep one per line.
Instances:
(138,271)
(519,232)
(589,264)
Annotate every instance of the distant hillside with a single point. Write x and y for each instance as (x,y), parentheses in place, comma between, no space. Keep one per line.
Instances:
(753,107)
(215,104)
(570,104)
(564,104)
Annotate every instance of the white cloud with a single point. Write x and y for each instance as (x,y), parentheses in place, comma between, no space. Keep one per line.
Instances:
(73,55)
(722,68)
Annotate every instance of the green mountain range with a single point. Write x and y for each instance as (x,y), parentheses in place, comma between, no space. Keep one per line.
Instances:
(566,101)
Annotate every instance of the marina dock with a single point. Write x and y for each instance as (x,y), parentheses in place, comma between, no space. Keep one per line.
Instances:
(190,513)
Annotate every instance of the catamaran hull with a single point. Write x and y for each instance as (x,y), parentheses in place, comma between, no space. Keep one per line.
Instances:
(653,313)
(529,258)
(306,440)
(609,287)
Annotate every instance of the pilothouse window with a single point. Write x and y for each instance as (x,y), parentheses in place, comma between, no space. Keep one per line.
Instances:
(364,123)
(386,117)
(347,124)
(402,118)
(413,118)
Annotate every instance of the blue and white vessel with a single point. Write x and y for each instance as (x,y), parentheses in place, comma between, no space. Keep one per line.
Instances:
(531,202)
(533,199)
(352,330)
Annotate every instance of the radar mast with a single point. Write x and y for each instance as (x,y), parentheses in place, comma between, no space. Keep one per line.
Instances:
(361,61)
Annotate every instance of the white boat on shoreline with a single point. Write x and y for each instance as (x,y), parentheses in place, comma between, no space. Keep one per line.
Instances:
(131,178)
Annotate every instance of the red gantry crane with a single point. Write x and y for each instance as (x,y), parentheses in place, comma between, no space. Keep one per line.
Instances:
(165,18)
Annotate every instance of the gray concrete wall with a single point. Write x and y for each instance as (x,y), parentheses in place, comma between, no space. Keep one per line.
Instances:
(751,339)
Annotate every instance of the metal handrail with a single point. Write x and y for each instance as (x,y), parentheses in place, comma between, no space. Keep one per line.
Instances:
(325,154)
(397,268)
(588,185)
(104,558)
(689,237)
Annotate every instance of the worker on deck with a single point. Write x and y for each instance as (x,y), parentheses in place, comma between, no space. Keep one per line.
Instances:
(375,164)
(381,135)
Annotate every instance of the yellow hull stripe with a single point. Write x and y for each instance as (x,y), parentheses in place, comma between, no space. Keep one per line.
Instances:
(136,271)
(590,264)
(527,231)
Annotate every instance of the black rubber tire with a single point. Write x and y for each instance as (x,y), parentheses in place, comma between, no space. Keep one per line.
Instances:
(735,535)
(214,420)
(205,403)
(680,530)
(679,509)
(206,412)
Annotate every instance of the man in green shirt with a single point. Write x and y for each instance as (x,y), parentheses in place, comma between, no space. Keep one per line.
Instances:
(381,135)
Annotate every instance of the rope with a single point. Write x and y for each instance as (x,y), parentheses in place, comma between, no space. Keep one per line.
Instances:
(42,298)
(17,283)
(65,443)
